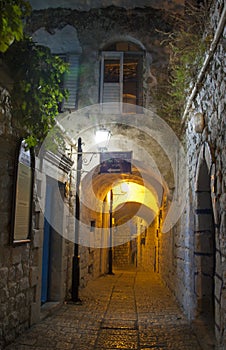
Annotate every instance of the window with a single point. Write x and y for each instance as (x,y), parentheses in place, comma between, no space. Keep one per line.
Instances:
(92,225)
(22,195)
(121,77)
(64,42)
(71,82)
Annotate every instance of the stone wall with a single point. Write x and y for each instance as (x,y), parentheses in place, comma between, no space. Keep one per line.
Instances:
(141,247)
(18,263)
(93,235)
(207,147)
(93,33)
(121,256)
(21,263)
(147,245)
(195,248)
(84,5)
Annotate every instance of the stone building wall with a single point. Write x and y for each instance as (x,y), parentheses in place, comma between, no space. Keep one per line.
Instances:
(121,256)
(84,5)
(92,238)
(18,263)
(21,263)
(147,245)
(93,33)
(195,247)
(207,147)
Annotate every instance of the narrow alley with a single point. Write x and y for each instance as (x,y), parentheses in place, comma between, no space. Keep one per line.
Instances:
(112,159)
(128,310)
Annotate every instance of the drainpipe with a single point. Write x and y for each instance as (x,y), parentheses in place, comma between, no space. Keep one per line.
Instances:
(209,56)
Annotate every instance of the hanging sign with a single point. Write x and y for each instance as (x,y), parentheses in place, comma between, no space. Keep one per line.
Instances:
(115,162)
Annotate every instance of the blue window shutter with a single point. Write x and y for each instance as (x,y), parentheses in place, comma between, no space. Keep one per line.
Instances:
(71,82)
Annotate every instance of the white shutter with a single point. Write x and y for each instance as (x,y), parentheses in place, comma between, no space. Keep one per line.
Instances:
(71,82)
(111,92)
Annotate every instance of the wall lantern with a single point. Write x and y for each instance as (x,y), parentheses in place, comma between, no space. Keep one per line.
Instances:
(198,122)
(102,138)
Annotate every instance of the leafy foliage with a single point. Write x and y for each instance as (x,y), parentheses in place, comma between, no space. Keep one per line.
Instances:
(37,90)
(12,13)
(187,55)
(186,46)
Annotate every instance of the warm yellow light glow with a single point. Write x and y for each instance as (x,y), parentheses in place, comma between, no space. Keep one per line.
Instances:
(109,197)
(124,187)
(133,192)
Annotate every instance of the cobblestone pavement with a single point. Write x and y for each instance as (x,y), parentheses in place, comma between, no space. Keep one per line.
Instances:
(128,310)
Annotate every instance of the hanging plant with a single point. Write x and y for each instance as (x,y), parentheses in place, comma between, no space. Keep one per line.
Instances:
(12,13)
(187,46)
(37,90)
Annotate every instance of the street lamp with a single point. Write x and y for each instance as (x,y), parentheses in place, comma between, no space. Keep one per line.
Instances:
(102,135)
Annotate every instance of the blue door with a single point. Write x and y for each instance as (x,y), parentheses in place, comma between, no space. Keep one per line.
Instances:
(46,244)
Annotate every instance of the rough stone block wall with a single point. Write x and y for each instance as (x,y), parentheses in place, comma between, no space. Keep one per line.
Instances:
(146,245)
(190,255)
(210,101)
(121,256)
(21,264)
(118,24)
(176,256)
(93,259)
(18,264)
(84,5)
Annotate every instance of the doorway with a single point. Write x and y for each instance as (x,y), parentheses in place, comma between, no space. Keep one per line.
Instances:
(204,252)
(53,247)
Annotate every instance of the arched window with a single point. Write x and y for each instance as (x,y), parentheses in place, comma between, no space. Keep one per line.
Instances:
(121,76)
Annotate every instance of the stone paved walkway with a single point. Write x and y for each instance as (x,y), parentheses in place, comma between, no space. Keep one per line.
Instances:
(128,310)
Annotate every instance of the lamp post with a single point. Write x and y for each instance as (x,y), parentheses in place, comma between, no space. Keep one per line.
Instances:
(76,257)
(110,258)
(104,135)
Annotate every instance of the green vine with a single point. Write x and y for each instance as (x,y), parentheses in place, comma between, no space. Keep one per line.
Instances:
(12,13)
(186,59)
(37,90)
(186,46)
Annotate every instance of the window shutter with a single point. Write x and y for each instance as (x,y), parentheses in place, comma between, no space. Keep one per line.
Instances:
(121,80)
(71,82)
(111,91)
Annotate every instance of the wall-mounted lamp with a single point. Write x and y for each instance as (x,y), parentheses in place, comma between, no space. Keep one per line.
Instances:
(102,138)
(198,122)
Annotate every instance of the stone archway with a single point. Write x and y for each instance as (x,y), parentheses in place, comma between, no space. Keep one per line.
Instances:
(204,241)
